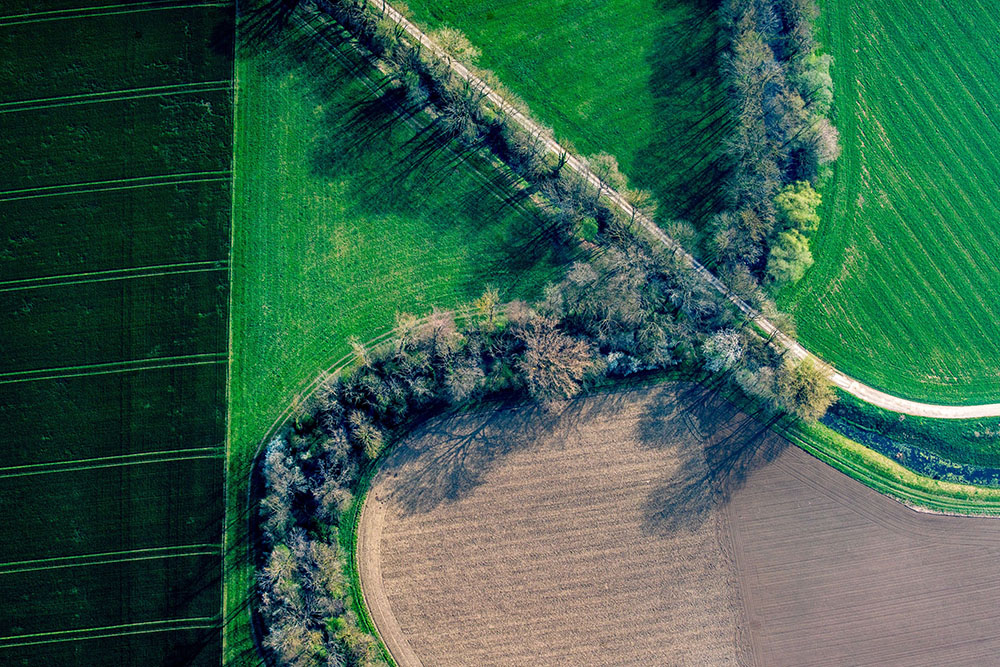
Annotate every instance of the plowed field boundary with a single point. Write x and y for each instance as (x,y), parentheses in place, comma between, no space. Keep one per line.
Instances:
(157,553)
(114,96)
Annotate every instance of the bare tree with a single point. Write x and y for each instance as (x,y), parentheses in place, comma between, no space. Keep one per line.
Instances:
(553,364)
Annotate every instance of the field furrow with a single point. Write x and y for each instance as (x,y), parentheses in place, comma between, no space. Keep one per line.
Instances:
(108,557)
(114,96)
(89,187)
(190,454)
(20,641)
(102,10)
(131,366)
(112,275)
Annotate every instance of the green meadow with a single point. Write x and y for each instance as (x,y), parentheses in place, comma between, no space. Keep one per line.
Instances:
(349,210)
(903,294)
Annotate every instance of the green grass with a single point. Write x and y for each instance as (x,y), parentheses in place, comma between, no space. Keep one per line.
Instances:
(635,78)
(903,292)
(967,441)
(345,215)
(889,477)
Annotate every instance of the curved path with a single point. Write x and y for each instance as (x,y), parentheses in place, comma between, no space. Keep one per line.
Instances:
(848,384)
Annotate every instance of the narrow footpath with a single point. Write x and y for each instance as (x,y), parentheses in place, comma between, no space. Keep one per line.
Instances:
(848,384)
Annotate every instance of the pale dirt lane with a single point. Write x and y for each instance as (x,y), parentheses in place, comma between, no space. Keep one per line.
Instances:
(848,384)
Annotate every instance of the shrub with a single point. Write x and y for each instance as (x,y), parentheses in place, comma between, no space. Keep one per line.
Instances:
(789,259)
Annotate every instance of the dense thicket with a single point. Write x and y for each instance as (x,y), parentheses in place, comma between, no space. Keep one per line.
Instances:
(780,92)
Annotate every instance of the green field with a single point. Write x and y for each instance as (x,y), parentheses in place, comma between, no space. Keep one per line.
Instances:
(903,294)
(102,142)
(345,214)
(151,50)
(192,222)
(115,207)
(166,409)
(634,78)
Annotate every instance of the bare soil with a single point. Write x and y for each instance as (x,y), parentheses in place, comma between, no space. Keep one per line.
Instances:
(835,573)
(659,526)
(516,537)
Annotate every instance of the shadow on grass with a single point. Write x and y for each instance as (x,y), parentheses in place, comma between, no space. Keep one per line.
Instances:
(369,138)
(715,448)
(683,164)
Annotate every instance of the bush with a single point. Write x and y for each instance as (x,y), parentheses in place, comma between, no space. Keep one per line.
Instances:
(797,203)
(789,259)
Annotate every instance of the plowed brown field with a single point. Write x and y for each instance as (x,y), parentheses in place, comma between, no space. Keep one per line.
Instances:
(659,526)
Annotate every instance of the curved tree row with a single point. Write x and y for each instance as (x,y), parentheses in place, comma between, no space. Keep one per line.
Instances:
(627,306)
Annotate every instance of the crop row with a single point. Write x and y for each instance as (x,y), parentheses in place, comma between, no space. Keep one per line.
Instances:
(113,321)
(111,509)
(79,597)
(903,295)
(112,52)
(114,230)
(116,140)
(113,414)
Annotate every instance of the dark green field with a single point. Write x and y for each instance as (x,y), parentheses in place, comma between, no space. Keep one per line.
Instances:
(121,413)
(115,200)
(192,222)
(152,50)
(85,143)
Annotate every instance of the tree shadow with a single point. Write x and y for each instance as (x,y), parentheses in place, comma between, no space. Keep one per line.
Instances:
(262,24)
(223,38)
(370,137)
(449,456)
(683,164)
(716,449)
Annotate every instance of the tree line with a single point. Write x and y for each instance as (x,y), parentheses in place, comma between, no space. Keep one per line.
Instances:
(629,306)
(782,145)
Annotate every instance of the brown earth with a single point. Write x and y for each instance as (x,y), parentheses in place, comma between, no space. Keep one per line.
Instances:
(835,573)
(659,526)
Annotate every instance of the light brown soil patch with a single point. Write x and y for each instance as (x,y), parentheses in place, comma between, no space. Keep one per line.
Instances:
(511,537)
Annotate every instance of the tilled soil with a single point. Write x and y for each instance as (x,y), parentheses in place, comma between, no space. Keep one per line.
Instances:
(834,573)
(659,526)
(514,538)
